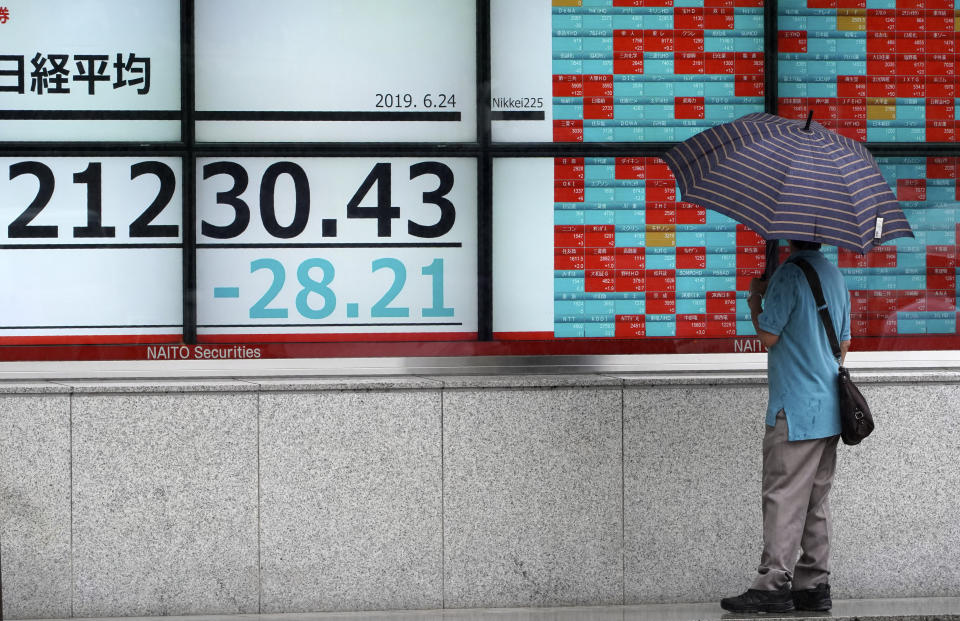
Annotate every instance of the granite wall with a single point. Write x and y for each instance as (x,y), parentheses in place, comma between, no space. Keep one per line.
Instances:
(122,498)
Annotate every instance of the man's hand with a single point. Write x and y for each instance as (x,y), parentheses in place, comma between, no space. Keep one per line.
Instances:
(758,288)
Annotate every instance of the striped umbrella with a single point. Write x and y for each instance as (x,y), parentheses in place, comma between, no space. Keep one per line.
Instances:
(787,180)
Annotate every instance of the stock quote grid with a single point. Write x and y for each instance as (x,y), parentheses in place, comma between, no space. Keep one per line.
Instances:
(633,261)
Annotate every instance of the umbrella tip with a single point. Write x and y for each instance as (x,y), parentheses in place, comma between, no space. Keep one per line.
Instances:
(806,127)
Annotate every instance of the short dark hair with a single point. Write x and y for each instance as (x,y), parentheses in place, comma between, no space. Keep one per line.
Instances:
(800,244)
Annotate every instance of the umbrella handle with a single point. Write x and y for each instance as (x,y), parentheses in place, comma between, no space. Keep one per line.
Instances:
(773,258)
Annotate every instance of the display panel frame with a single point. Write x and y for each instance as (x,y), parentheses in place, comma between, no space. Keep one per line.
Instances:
(580,354)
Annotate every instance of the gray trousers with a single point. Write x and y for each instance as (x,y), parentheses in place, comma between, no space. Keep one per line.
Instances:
(797,477)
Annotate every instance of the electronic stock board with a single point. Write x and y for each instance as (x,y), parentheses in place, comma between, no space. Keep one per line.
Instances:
(292,252)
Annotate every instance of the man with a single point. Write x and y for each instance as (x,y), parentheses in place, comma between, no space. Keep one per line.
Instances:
(803,426)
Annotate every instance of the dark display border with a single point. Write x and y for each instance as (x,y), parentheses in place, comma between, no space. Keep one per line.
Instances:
(484,151)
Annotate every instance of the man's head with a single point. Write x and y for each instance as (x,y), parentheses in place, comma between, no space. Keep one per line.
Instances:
(798,244)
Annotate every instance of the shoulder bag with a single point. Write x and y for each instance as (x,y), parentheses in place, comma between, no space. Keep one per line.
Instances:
(856,421)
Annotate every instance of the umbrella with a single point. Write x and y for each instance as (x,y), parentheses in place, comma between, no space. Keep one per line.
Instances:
(787,180)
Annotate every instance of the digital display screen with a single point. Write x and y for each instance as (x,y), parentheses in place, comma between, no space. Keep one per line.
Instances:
(336,249)
(90,70)
(618,255)
(307,71)
(92,250)
(874,70)
(623,70)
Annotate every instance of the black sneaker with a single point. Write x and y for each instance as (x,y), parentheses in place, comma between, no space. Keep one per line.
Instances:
(817,598)
(760,601)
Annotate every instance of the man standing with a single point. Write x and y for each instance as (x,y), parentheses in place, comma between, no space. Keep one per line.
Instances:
(800,443)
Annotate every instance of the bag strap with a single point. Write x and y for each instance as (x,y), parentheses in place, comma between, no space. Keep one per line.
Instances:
(814,281)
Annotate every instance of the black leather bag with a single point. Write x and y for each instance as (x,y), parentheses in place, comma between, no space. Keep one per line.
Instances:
(856,421)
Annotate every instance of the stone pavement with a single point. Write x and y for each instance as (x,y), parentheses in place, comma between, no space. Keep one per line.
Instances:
(919,609)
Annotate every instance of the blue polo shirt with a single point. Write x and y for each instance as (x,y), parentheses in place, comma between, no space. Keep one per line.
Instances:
(801,369)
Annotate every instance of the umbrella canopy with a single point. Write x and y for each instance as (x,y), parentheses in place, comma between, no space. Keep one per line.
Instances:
(788,181)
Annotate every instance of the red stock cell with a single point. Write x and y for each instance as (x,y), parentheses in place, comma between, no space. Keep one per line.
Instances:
(691,258)
(600,236)
(721,302)
(911,189)
(849,258)
(882,257)
(882,302)
(660,215)
(568,86)
(940,131)
(851,86)
(881,20)
(568,131)
(881,86)
(941,278)
(792,41)
(600,281)
(660,302)
(754,260)
(911,66)
(661,191)
(915,300)
(721,327)
(941,86)
(631,258)
(683,109)
(568,259)
(748,63)
(658,41)
(941,168)
(881,65)
(940,64)
(909,20)
(940,301)
(748,237)
(567,194)
(855,111)
(691,326)
(688,18)
(691,214)
(688,41)
(629,170)
(568,236)
(911,86)
(628,63)
(600,258)
(859,301)
(688,63)
(630,326)
(658,169)
(942,256)
(598,108)
(910,43)
(628,43)
(661,280)
(598,85)
(569,171)
(723,63)
(631,280)
(855,132)
(642,3)
(748,86)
